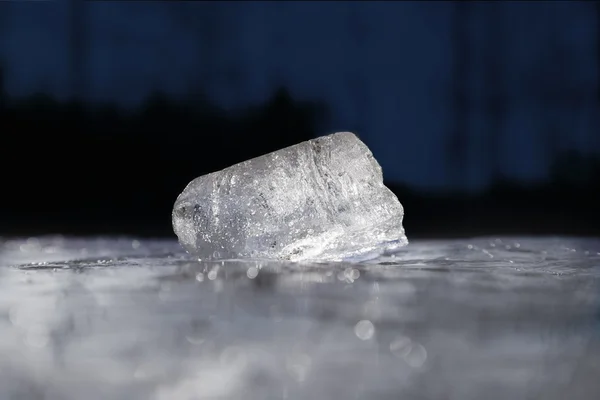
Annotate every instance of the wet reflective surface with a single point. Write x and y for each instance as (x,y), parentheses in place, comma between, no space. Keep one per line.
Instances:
(126,319)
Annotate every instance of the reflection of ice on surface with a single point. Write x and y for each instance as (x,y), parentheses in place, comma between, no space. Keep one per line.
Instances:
(486,318)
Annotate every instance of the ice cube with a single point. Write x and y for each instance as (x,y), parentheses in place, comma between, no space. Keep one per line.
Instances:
(323,199)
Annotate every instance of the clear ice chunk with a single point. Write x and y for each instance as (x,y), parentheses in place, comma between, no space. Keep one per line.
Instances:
(323,199)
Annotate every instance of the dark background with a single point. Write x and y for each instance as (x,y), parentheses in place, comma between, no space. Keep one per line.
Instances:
(483,115)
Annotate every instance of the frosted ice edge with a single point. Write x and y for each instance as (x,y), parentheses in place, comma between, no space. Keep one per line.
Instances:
(322,199)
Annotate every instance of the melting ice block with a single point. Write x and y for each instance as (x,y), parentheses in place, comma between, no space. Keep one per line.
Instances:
(322,199)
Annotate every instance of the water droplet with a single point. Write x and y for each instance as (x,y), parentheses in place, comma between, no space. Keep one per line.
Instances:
(401,346)
(417,356)
(252,272)
(413,353)
(364,329)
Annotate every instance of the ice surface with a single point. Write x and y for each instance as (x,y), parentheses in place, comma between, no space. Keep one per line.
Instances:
(494,319)
(320,199)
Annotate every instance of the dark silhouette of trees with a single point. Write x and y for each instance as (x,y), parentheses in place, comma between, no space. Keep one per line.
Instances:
(2,90)
(124,170)
(123,173)
(573,170)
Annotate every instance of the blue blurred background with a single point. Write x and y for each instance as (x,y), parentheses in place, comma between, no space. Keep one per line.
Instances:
(483,115)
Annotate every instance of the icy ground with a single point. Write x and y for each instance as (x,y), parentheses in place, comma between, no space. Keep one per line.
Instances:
(127,319)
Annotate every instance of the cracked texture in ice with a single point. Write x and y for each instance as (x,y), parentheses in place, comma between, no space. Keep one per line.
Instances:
(320,199)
